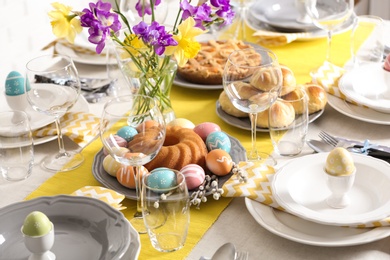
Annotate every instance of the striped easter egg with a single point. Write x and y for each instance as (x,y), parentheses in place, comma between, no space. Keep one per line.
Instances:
(194,175)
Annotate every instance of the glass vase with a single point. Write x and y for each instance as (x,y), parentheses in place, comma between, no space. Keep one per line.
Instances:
(153,81)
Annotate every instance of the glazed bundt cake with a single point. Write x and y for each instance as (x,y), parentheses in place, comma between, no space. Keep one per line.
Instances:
(182,146)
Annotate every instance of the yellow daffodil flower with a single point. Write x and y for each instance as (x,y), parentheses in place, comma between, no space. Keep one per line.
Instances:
(187,46)
(133,45)
(62,22)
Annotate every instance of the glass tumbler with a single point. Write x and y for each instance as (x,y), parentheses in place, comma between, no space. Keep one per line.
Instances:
(16,146)
(166,209)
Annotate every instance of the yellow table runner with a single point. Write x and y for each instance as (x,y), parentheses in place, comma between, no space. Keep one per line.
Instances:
(199,106)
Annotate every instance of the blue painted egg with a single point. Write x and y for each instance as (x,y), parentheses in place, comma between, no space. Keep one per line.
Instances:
(162,178)
(14,84)
(218,140)
(127,133)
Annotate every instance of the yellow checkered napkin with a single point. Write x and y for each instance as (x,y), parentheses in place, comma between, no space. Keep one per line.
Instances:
(258,187)
(110,197)
(80,127)
(269,38)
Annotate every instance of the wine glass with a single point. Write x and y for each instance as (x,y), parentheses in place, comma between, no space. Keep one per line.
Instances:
(238,28)
(52,87)
(329,15)
(138,120)
(252,79)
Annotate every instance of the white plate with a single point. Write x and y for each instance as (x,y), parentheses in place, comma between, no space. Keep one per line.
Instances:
(358,112)
(85,58)
(280,14)
(237,153)
(185,84)
(255,25)
(306,232)
(300,188)
(245,123)
(372,91)
(85,228)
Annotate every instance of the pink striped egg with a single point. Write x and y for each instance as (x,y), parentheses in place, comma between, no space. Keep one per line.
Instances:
(194,175)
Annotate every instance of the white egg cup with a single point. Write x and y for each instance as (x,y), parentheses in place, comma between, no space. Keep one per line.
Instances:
(303,16)
(18,102)
(40,246)
(339,186)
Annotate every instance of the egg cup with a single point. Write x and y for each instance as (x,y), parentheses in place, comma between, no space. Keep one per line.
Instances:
(339,186)
(40,246)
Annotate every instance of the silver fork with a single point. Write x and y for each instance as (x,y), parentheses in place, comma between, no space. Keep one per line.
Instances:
(241,255)
(327,138)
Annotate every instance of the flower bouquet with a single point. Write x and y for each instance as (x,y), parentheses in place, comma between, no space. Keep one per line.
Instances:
(147,54)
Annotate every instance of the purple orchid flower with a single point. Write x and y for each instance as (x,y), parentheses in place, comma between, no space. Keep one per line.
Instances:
(100,22)
(143,7)
(154,35)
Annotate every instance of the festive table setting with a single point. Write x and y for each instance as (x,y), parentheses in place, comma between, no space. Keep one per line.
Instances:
(269,211)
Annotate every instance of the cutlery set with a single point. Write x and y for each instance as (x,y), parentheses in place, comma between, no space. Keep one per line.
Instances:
(329,142)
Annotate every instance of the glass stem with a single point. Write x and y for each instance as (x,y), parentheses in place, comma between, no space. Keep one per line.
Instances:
(62,151)
(328,52)
(253,155)
(138,183)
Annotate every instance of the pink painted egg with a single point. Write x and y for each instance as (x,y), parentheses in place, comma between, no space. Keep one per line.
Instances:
(116,141)
(387,63)
(194,175)
(204,129)
(219,162)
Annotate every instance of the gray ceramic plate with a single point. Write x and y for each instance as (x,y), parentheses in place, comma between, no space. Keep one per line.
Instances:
(85,228)
(245,123)
(237,153)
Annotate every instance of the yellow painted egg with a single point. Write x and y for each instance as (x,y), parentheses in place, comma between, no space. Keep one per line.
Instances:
(110,165)
(185,123)
(339,162)
(219,162)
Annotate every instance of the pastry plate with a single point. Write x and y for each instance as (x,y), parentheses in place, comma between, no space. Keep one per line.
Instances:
(255,25)
(372,91)
(237,153)
(358,112)
(185,84)
(300,188)
(280,14)
(306,232)
(245,123)
(85,228)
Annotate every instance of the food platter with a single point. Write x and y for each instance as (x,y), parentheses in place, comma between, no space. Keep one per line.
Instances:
(245,123)
(85,228)
(178,81)
(300,188)
(306,232)
(237,153)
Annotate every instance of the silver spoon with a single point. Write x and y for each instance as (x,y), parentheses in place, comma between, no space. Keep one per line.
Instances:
(225,252)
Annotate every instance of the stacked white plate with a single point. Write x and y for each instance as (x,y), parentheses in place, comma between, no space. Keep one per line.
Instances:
(300,188)
(283,16)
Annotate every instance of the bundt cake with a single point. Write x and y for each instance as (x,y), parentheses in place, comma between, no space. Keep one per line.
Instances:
(182,146)
(146,142)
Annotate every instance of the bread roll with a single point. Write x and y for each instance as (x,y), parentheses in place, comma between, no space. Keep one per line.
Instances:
(228,107)
(317,97)
(283,115)
(289,81)
(265,79)
(297,95)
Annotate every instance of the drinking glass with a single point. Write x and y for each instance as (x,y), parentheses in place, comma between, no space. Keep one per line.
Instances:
(128,9)
(16,146)
(367,41)
(329,15)
(166,208)
(288,134)
(55,88)
(141,118)
(252,79)
(237,30)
